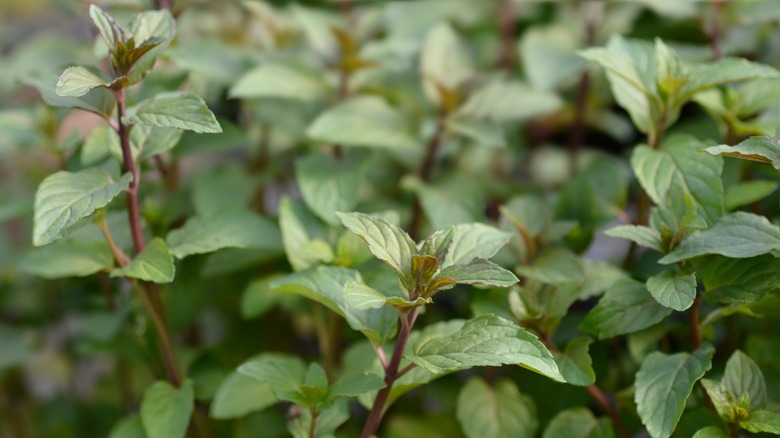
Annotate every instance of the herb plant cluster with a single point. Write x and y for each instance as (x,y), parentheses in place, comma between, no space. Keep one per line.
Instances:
(394,219)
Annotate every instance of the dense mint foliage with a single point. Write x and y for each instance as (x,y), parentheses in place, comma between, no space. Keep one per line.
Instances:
(267,218)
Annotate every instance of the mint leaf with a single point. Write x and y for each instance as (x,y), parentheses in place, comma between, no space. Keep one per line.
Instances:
(736,235)
(640,234)
(663,384)
(740,281)
(166,410)
(362,296)
(283,374)
(274,80)
(486,340)
(748,192)
(554,266)
(78,81)
(574,362)
(363,121)
(444,62)
(507,101)
(742,376)
(578,423)
(675,290)
(497,411)
(385,240)
(479,271)
(239,395)
(128,427)
(724,71)
(303,235)
(626,307)
(67,258)
(174,109)
(330,184)
(111,32)
(354,384)
(153,264)
(65,198)
(762,421)
(759,148)
(224,229)
(472,241)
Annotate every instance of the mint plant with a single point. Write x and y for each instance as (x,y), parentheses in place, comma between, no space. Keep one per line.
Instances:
(390,219)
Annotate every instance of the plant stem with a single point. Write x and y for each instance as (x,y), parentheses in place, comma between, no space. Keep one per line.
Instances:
(425,174)
(147,292)
(323,338)
(507,15)
(693,312)
(391,373)
(313,423)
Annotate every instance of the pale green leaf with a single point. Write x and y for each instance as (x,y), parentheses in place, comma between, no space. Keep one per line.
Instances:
(743,376)
(325,284)
(153,264)
(642,235)
(626,307)
(724,71)
(362,296)
(283,374)
(149,24)
(444,61)
(386,241)
(711,432)
(471,241)
(507,101)
(554,266)
(486,340)
(78,81)
(259,296)
(111,32)
(99,101)
(274,80)
(549,55)
(329,184)
(574,362)
(67,258)
(762,421)
(478,271)
(166,410)
(495,411)
(736,235)
(128,427)
(748,192)
(354,384)
(664,383)
(760,148)
(678,166)
(225,229)
(65,198)
(174,109)
(363,121)
(302,234)
(239,395)
(578,423)
(675,290)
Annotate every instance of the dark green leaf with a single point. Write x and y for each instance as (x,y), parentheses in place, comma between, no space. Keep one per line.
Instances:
(496,411)
(166,410)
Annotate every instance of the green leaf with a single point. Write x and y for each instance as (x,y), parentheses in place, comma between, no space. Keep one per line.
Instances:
(498,411)
(642,235)
(354,384)
(65,198)
(675,290)
(736,235)
(479,271)
(575,363)
(748,192)
(175,109)
(711,432)
(283,374)
(385,240)
(78,81)
(15,348)
(486,340)
(363,121)
(128,427)
(724,71)
(578,423)
(166,410)
(225,229)
(663,384)
(549,57)
(507,101)
(444,61)
(442,206)
(209,189)
(329,184)
(67,258)
(152,24)
(627,307)
(99,101)
(760,148)
(472,241)
(302,235)
(742,376)
(239,395)
(273,80)
(111,32)
(325,284)
(153,264)
(328,421)
(762,421)
(362,296)
(678,166)
(740,281)
(259,296)
(554,266)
